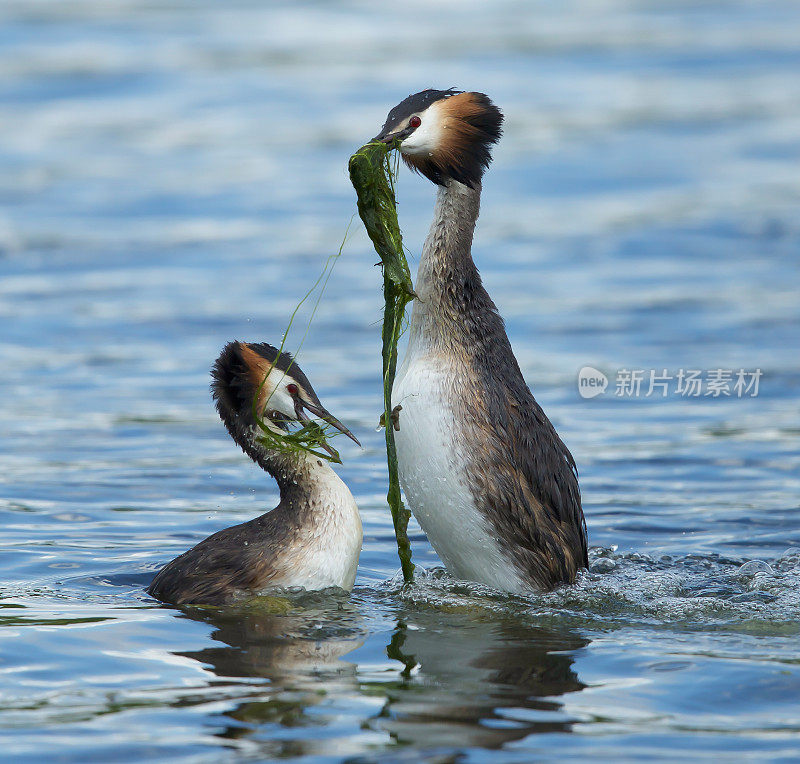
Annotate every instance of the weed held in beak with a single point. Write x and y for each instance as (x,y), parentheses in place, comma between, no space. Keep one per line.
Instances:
(373,178)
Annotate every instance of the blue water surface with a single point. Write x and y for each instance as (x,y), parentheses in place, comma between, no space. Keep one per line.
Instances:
(173,176)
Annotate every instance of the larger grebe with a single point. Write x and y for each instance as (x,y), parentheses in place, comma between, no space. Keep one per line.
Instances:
(482,468)
(313,537)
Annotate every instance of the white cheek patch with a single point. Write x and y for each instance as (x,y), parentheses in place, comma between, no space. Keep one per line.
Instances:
(279,400)
(427,137)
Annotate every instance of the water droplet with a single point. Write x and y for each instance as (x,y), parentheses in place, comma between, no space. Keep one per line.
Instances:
(603,565)
(753,567)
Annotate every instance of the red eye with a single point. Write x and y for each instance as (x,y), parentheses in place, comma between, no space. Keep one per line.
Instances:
(415,121)
(292,389)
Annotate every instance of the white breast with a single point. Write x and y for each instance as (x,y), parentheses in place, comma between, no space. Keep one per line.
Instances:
(433,466)
(328,550)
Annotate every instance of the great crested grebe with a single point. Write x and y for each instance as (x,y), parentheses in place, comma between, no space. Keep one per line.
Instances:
(482,467)
(312,539)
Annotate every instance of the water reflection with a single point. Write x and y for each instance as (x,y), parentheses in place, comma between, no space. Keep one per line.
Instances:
(456,677)
(274,645)
(298,649)
(477,681)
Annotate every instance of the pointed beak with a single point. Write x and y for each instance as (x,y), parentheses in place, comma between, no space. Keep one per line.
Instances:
(388,137)
(322,413)
(383,138)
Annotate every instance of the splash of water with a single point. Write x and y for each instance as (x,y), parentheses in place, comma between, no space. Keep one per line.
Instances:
(620,589)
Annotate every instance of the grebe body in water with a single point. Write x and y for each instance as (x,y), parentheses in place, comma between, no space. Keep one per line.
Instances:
(483,469)
(312,539)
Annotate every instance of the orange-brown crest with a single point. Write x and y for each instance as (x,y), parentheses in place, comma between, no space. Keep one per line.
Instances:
(469,124)
(257,369)
(459,132)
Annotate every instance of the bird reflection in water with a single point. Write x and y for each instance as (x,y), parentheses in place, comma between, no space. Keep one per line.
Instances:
(299,651)
(482,682)
(457,678)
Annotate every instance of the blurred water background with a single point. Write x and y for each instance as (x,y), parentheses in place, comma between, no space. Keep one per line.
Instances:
(173,176)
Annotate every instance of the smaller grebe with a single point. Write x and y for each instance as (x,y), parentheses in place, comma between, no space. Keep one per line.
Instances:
(313,537)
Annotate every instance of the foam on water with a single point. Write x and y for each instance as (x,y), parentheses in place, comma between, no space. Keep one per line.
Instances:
(633,589)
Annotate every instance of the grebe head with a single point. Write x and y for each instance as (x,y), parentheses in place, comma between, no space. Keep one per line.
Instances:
(256,372)
(445,134)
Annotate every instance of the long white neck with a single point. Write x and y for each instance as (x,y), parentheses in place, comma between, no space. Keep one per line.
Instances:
(316,501)
(320,486)
(448,285)
(447,252)
(300,476)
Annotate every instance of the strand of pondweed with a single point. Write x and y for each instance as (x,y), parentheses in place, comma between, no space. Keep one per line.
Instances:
(329,263)
(311,435)
(371,175)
